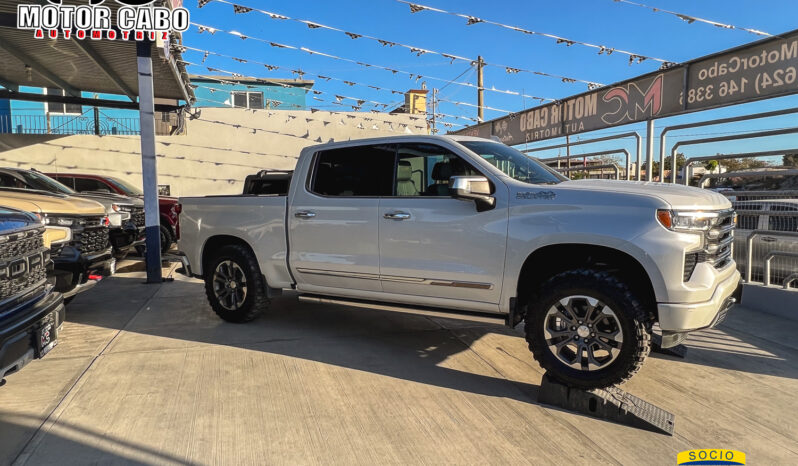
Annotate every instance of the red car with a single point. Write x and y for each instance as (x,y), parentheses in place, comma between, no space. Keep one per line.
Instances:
(168,206)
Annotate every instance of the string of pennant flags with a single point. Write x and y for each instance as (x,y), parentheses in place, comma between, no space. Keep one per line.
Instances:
(602,49)
(418,51)
(301,74)
(312,109)
(277,103)
(693,19)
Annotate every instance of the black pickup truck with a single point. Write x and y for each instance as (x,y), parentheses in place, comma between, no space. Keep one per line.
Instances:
(31,313)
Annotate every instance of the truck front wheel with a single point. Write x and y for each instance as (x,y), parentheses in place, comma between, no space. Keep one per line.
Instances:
(587,329)
(234,284)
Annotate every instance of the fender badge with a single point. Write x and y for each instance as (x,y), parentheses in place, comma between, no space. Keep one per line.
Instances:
(548,195)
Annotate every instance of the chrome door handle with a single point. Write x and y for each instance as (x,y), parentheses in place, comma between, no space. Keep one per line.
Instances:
(396,215)
(304,214)
(768,239)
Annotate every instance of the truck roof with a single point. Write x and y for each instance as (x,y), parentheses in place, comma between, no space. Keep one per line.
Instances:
(398,139)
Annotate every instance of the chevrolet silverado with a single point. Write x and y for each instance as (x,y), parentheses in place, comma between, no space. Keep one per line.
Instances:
(469,227)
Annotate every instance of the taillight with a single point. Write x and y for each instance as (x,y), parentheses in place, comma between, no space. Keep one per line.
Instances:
(106,221)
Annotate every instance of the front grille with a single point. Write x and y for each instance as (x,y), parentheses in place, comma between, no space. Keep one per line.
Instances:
(92,240)
(23,262)
(137,216)
(717,245)
(21,243)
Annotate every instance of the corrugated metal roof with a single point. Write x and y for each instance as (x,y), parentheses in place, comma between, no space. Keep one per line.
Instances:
(68,62)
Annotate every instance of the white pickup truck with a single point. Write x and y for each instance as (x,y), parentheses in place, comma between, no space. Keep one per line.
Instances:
(468,227)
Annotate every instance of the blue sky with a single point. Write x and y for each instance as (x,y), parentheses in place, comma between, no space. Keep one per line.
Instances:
(603,22)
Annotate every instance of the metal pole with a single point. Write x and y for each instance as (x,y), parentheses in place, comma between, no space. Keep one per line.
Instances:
(96,121)
(567,155)
(650,151)
(434,110)
(480,91)
(149,170)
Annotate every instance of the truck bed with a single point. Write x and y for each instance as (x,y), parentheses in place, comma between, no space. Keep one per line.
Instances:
(257,220)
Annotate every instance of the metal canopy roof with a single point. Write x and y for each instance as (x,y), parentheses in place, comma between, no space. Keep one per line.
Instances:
(101,66)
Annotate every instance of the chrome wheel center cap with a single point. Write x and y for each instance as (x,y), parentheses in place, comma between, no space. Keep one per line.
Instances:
(583,331)
(232,285)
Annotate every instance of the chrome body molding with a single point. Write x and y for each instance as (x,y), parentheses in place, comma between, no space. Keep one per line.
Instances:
(391,278)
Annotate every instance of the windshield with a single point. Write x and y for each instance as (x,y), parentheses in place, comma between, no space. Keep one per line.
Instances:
(42,182)
(513,163)
(128,188)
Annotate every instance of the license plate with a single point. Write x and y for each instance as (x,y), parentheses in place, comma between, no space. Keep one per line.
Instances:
(46,336)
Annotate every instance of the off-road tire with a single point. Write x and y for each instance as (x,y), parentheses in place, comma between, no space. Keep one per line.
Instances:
(634,319)
(166,237)
(256,300)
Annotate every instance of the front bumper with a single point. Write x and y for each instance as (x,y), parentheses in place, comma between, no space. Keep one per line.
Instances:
(685,317)
(123,239)
(17,339)
(72,269)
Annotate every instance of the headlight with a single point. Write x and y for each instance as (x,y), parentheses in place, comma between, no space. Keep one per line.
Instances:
(56,235)
(687,220)
(67,222)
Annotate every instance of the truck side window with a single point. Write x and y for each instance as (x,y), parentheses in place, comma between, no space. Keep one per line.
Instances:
(88,184)
(364,171)
(425,169)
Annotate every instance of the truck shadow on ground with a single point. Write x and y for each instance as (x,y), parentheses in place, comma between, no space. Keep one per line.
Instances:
(402,346)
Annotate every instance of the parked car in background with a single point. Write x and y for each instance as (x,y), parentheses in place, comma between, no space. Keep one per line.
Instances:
(31,313)
(126,214)
(76,231)
(469,227)
(168,207)
(769,215)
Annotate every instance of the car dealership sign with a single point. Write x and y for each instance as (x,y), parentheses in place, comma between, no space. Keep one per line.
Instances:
(760,70)
(134,20)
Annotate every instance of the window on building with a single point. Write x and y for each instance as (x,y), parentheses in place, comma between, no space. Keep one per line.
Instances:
(243,99)
(59,108)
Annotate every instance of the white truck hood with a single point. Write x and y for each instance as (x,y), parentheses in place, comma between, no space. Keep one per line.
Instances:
(677,196)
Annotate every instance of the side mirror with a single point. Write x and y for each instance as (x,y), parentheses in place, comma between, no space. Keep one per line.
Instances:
(473,188)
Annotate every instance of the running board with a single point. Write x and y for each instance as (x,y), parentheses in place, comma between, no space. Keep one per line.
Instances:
(483,317)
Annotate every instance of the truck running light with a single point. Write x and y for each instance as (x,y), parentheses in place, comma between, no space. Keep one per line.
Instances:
(665,218)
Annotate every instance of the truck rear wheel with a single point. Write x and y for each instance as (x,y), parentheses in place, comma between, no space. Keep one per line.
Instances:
(587,329)
(234,284)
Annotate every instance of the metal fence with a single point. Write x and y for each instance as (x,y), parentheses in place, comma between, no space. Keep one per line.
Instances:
(766,240)
(85,123)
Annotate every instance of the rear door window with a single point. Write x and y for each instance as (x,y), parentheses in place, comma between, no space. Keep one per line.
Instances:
(88,184)
(362,171)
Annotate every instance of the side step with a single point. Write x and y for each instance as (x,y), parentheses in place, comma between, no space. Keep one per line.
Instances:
(483,317)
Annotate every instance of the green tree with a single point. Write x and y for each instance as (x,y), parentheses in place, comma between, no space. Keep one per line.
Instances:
(711,165)
(790,160)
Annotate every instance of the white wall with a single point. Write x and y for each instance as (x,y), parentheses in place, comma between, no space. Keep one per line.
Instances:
(218,151)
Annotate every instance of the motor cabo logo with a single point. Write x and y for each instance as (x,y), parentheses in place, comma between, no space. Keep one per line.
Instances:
(135,19)
(710,457)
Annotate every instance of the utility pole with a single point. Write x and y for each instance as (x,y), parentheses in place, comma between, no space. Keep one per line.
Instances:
(434,99)
(480,91)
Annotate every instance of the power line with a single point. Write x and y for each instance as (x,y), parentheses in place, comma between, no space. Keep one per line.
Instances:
(692,19)
(203,28)
(602,49)
(303,73)
(240,9)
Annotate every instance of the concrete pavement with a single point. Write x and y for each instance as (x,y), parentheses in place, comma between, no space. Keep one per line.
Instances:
(147,374)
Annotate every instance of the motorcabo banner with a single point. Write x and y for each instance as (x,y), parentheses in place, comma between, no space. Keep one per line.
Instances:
(760,70)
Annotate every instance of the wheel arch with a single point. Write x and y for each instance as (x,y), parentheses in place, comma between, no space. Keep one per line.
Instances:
(561,257)
(214,243)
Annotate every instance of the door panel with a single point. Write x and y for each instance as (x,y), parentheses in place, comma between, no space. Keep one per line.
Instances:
(332,220)
(432,244)
(444,249)
(337,245)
